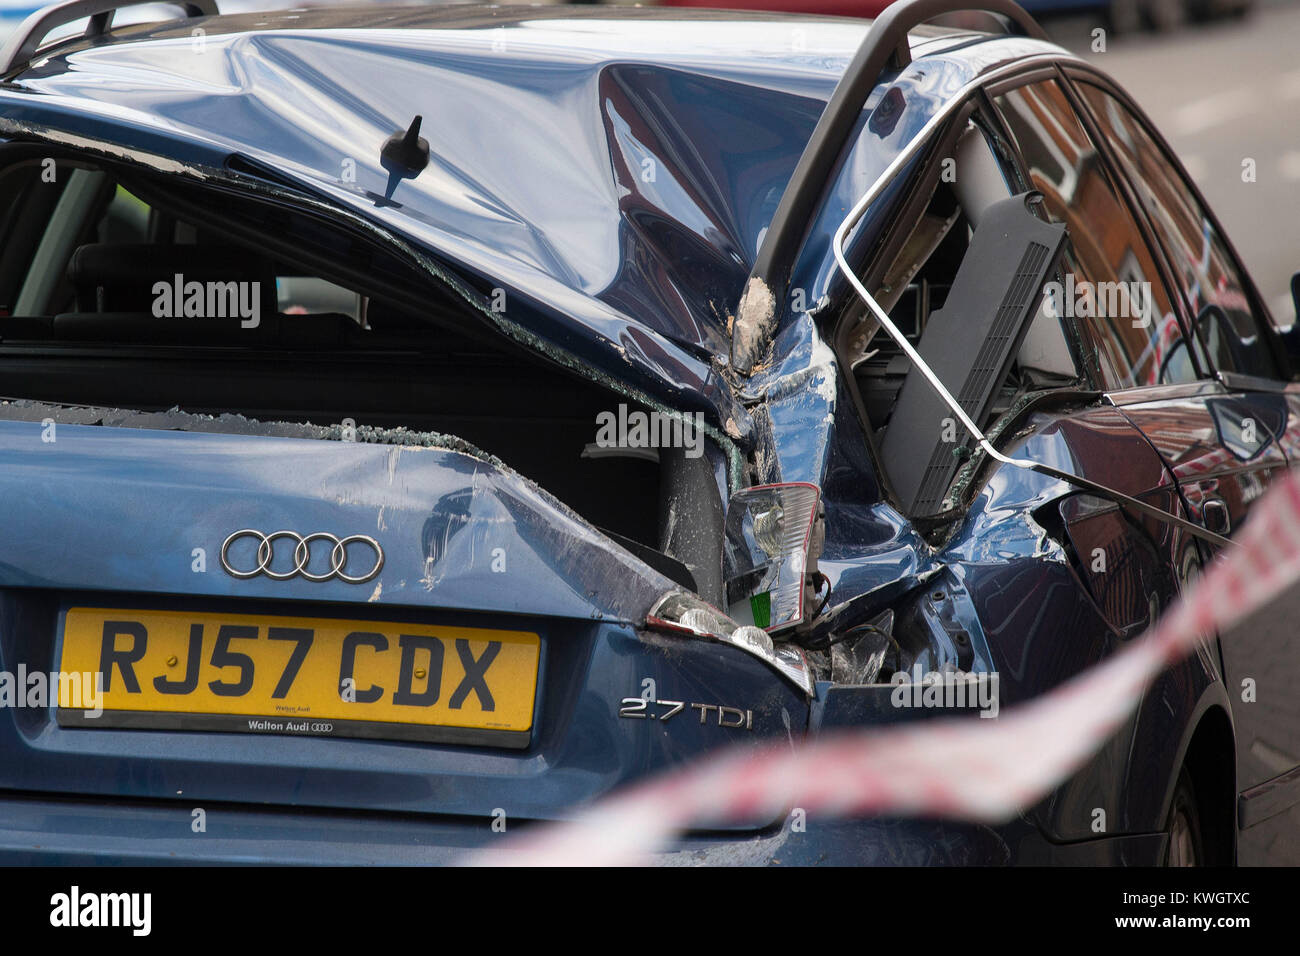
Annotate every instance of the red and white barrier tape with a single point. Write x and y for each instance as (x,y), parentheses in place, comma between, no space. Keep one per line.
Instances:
(955,768)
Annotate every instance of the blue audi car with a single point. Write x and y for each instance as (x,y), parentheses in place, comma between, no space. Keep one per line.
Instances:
(420,422)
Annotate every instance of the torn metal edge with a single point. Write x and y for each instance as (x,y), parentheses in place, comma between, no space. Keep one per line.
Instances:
(233,423)
(755,320)
(208,174)
(396,438)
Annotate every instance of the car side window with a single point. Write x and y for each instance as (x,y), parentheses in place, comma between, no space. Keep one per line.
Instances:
(1209,281)
(79,245)
(1110,287)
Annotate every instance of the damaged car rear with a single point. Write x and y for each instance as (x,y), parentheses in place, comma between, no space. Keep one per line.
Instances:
(421,422)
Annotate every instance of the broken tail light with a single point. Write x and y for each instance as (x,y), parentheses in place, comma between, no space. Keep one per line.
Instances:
(772,540)
(679,612)
(769,553)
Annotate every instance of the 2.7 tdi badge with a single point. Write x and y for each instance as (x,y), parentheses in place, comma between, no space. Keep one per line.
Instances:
(641,708)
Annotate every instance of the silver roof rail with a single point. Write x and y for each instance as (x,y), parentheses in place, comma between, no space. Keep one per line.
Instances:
(884,48)
(20,49)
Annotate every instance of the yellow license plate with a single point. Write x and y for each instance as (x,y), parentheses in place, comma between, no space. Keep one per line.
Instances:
(308,676)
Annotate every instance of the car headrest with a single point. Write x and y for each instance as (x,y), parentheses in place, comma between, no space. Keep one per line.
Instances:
(122,277)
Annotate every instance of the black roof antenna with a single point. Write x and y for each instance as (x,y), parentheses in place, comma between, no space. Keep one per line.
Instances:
(406,148)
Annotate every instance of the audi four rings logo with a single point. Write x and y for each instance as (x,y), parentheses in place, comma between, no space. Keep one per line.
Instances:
(340,560)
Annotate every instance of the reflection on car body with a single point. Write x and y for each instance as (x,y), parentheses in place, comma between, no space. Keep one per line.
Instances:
(902,458)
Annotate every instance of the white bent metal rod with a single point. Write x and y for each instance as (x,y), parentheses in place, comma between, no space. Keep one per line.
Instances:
(958,99)
(917,141)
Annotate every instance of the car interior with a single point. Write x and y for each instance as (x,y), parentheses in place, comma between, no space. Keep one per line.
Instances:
(943,252)
(313,324)
(917,283)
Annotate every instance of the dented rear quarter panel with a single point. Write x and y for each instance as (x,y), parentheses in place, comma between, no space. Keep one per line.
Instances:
(440,513)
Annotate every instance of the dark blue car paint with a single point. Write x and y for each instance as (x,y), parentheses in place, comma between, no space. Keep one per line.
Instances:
(641,296)
(54,830)
(645,289)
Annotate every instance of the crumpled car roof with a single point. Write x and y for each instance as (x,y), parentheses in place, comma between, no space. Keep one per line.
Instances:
(613,163)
